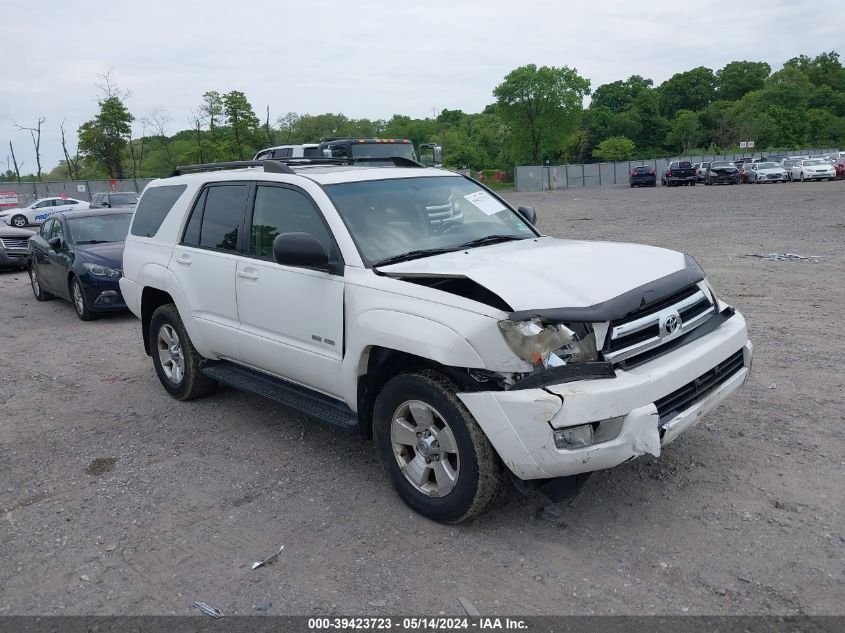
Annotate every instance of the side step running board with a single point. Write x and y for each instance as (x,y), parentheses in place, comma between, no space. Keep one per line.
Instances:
(306,401)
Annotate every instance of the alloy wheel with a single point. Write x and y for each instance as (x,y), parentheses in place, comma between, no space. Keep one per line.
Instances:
(425,448)
(170,353)
(33,279)
(78,299)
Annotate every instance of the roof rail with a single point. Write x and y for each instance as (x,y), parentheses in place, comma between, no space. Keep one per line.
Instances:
(235,164)
(282,165)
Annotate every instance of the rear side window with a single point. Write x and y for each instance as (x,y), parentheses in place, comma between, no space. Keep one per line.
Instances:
(155,204)
(218,217)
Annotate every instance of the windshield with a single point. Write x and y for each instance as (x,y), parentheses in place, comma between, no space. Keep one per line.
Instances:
(96,229)
(788,163)
(721,163)
(814,162)
(123,198)
(407,217)
(767,166)
(383,150)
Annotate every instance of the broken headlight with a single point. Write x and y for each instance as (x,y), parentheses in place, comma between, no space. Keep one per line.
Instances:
(550,345)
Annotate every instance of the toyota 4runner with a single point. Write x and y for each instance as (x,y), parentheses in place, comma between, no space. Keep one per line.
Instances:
(470,347)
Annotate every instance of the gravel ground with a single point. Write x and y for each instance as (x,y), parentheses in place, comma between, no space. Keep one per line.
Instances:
(116,499)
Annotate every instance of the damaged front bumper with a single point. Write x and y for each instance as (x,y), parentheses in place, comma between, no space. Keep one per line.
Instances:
(520,423)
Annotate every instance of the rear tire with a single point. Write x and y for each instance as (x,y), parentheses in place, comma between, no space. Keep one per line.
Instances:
(462,476)
(175,358)
(37,288)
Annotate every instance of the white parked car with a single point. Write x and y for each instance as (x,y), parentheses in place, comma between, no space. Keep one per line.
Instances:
(813,169)
(468,350)
(766,172)
(40,210)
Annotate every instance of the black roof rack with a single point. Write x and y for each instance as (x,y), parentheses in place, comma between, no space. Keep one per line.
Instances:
(398,161)
(282,165)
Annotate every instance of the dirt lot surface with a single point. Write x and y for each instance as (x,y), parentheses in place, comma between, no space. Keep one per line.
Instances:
(115,499)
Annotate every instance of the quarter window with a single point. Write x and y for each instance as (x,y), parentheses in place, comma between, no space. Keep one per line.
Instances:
(280,210)
(154,206)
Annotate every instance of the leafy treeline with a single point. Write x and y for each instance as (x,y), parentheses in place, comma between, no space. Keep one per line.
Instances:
(537,116)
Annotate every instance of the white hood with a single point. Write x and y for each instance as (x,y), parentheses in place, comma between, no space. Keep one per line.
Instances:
(548,272)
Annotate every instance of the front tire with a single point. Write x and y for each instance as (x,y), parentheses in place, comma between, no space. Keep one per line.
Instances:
(175,358)
(80,303)
(19,221)
(436,456)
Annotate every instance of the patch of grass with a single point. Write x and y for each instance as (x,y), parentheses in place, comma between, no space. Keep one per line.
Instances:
(100,465)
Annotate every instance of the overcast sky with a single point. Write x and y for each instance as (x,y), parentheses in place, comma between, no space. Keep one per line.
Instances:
(364,58)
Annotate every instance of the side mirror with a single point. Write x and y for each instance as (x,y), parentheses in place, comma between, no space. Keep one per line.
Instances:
(528,213)
(55,243)
(299,249)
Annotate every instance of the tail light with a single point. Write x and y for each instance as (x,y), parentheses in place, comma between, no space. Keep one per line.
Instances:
(652,173)
(633,172)
(669,173)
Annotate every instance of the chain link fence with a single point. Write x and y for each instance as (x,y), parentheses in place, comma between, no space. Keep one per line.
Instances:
(28,192)
(551,177)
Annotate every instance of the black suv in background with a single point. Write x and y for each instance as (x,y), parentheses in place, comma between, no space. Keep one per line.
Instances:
(643,175)
(114,199)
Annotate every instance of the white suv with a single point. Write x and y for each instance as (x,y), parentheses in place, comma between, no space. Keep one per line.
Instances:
(468,351)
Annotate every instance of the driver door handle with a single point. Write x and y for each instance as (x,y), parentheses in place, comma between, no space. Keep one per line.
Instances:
(247,275)
(184,259)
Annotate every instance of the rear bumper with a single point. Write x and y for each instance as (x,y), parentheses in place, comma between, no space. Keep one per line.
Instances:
(520,423)
(131,292)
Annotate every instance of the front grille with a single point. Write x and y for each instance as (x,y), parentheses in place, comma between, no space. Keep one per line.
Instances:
(10,243)
(678,401)
(641,331)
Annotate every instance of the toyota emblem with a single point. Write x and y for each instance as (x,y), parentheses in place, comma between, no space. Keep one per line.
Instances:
(672,324)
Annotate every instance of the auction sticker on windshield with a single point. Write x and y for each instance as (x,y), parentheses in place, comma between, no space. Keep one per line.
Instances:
(485,202)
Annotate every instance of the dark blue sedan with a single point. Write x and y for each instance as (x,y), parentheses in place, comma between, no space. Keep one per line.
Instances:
(77,256)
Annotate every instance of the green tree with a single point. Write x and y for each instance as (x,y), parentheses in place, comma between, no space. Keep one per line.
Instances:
(685,132)
(822,70)
(540,106)
(619,95)
(739,78)
(103,140)
(719,125)
(615,148)
(242,121)
(690,90)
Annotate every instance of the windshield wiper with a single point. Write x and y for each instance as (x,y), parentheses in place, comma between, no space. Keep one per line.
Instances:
(403,257)
(87,242)
(490,239)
